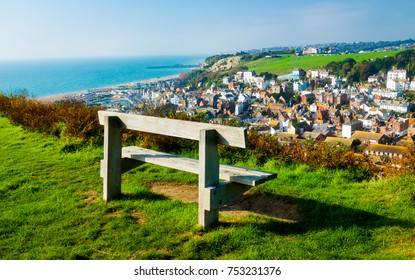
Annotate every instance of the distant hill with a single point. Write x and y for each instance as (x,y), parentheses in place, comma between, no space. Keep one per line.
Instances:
(272,62)
(351,47)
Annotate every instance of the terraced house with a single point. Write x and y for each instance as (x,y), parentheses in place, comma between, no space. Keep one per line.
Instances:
(371,137)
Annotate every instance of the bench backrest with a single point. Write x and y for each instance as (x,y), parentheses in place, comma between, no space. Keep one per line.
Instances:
(226,135)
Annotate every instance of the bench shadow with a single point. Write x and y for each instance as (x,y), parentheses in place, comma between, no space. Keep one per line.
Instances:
(142,195)
(287,215)
(303,215)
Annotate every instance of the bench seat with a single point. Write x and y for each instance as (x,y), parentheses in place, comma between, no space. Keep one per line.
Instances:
(229,173)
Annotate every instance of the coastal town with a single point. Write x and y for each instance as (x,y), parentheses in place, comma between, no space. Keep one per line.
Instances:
(307,105)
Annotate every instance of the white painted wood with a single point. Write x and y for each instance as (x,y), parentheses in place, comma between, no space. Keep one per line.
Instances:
(229,173)
(226,135)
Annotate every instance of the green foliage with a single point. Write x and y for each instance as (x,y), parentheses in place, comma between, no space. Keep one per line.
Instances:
(211,60)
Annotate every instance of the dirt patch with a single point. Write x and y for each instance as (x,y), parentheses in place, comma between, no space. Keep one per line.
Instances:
(91,196)
(186,193)
(262,204)
(139,218)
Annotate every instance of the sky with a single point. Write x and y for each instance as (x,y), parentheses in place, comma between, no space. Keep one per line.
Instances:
(39,29)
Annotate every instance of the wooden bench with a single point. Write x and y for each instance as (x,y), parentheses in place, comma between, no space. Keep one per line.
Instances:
(213,193)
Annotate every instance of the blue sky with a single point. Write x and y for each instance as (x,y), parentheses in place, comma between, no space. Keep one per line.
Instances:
(36,29)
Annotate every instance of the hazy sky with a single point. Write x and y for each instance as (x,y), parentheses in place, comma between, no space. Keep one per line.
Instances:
(112,28)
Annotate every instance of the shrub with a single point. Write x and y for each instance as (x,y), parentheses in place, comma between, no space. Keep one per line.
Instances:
(68,118)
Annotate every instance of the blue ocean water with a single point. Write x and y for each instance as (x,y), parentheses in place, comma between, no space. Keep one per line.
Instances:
(51,77)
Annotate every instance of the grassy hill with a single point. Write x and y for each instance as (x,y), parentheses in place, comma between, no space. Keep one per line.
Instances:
(285,63)
(51,208)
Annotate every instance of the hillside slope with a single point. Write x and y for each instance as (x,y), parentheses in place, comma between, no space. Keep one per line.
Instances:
(284,65)
(51,207)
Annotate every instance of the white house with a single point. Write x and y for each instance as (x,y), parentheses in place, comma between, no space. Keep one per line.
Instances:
(397,85)
(314,74)
(311,50)
(175,100)
(397,106)
(397,74)
(239,76)
(225,80)
(324,74)
(239,108)
(296,75)
(349,128)
(261,83)
(397,80)
(247,76)
(392,94)
(373,79)
(243,97)
(299,86)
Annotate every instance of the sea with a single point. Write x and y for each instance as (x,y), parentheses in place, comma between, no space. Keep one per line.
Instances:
(44,78)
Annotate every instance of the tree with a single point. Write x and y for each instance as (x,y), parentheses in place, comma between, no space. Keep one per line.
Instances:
(347,66)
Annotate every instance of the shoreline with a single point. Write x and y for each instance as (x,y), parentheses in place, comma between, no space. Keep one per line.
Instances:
(74,94)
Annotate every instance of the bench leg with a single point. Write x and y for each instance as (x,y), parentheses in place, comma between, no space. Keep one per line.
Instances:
(112,158)
(208,176)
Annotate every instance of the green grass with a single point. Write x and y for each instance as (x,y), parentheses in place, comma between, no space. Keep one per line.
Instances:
(286,63)
(51,207)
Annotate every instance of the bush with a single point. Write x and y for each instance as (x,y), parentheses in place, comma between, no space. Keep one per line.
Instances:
(67,118)
(318,154)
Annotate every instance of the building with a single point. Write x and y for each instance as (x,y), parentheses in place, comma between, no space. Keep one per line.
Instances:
(385,150)
(311,50)
(397,106)
(299,86)
(371,137)
(298,74)
(396,85)
(349,128)
(397,80)
(391,94)
(397,75)
(247,76)
(336,141)
(373,79)
(226,80)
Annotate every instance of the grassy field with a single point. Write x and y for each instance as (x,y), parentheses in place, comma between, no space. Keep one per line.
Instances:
(286,63)
(51,208)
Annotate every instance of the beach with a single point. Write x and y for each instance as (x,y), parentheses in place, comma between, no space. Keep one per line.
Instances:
(75,94)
